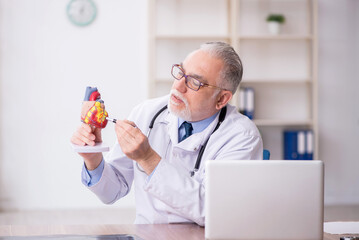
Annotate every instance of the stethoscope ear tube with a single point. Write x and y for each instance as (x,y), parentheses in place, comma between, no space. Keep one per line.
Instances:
(222,116)
(155,117)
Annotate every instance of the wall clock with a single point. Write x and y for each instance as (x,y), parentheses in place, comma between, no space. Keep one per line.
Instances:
(81,12)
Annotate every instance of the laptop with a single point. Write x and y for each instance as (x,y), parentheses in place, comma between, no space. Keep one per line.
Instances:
(256,199)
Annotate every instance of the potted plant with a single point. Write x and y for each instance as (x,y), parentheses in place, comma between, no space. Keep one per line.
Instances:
(274,22)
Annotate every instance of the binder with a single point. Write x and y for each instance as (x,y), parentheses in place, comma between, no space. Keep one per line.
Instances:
(298,145)
(290,146)
(246,102)
(242,101)
(250,103)
(309,145)
(301,145)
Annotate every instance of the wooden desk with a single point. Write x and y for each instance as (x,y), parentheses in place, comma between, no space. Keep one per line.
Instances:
(145,231)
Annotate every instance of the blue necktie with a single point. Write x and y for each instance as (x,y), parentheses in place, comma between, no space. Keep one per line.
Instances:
(188,128)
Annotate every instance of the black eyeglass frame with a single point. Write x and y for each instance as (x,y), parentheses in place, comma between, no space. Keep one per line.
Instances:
(187,77)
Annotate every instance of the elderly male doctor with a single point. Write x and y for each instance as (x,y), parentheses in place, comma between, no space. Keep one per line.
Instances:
(167,190)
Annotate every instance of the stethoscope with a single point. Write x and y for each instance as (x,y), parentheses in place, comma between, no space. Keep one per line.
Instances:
(222,116)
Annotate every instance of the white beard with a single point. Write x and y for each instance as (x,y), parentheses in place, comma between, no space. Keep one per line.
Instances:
(185,113)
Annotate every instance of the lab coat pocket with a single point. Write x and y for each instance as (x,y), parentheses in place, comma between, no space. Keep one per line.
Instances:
(183,159)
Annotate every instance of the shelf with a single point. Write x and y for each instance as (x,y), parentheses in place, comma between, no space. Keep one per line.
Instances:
(285,123)
(281,69)
(276,59)
(192,37)
(276,81)
(187,17)
(252,81)
(298,22)
(276,37)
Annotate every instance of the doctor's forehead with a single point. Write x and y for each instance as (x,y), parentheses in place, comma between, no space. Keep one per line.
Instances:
(190,72)
(202,63)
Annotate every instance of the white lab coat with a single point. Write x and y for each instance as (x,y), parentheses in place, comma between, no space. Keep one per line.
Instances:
(171,195)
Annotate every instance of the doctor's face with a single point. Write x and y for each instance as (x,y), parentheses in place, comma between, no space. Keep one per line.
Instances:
(193,105)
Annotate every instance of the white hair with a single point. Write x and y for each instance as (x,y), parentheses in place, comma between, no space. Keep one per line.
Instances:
(232,72)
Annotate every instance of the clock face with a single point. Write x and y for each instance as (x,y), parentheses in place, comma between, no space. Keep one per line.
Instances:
(81,12)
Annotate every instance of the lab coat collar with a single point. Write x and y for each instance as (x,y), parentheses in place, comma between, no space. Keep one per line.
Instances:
(192,143)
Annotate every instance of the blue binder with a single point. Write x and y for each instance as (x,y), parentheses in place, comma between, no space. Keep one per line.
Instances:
(242,101)
(290,145)
(246,102)
(298,145)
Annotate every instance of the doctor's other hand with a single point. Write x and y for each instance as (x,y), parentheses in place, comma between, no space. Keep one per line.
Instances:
(134,144)
(87,135)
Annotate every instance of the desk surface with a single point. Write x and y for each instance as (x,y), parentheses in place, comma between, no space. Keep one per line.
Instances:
(145,231)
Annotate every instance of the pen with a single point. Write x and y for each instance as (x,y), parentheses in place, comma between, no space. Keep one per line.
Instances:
(114,120)
(111,119)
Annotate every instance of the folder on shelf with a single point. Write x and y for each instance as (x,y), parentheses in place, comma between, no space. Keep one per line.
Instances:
(301,145)
(246,102)
(298,145)
(309,145)
(290,145)
(250,103)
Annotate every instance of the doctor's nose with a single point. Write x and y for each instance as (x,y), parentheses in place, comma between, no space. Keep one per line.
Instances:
(180,85)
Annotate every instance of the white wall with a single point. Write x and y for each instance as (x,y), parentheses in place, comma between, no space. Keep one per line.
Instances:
(338,99)
(46,64)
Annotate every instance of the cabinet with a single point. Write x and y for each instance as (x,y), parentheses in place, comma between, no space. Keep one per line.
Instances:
(282,69)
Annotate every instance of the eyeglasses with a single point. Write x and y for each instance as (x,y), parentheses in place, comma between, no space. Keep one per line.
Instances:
(191,82)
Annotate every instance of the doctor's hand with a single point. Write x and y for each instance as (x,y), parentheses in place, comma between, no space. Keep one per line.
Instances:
(87,135)
(136,146)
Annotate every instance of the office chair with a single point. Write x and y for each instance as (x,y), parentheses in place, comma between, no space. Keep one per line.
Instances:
(266,154)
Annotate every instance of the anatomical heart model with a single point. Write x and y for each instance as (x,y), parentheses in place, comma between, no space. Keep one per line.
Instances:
(93,109)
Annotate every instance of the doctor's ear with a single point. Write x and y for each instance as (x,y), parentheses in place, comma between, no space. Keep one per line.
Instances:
(223,98)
